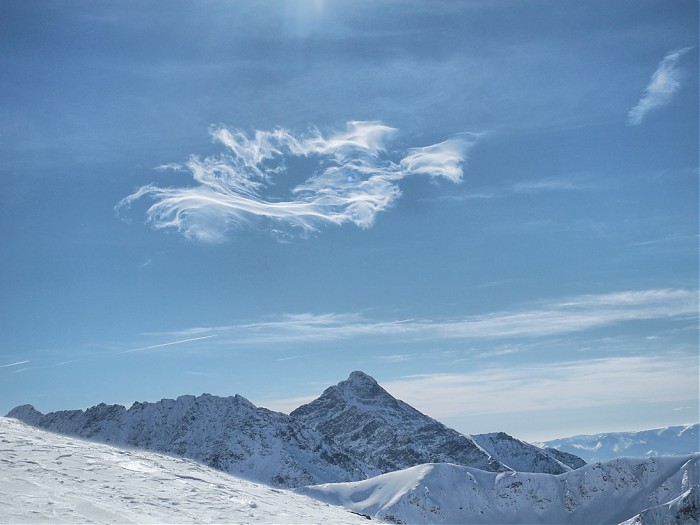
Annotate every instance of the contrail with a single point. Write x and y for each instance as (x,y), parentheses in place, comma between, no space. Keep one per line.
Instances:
(14,364)
(167,344)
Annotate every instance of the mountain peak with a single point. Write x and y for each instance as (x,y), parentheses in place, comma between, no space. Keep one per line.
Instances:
(361,383)
(359,376)
(384,432)
(26,413)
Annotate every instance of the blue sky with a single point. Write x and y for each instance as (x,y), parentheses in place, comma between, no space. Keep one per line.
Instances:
(491,207)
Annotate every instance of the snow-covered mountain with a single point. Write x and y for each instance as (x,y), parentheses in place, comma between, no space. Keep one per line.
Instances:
(355,430)
(230,434)
(384,432)
(524,457)
(600,493)
(48,478)
(388,434)
(667,441)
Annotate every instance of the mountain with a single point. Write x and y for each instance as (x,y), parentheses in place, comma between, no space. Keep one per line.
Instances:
(570,460)
(354,430)
(523,457)
(230,434)
(600,493)
(667,441)
(48,478)
(387,434)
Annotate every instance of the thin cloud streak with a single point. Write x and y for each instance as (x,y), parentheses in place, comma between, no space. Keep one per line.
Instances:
(555,318)
(664,83)
(15,364)
(354,179)
(552,386)
(168,344)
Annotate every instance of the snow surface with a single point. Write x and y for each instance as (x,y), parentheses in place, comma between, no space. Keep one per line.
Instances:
(601,493)
(47,478)
(683,510)
(666,441)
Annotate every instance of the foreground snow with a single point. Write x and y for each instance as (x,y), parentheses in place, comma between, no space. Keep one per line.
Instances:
(602,493)
(50,478)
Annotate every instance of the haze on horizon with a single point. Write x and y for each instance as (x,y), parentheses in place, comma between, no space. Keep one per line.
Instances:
(490,207)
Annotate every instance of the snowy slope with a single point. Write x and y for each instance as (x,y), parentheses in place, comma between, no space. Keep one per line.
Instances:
(47,478)
(606,493)
(667,441)
(683,510)
(230,434)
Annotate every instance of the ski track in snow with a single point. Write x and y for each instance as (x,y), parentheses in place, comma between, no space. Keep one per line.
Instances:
(48,478)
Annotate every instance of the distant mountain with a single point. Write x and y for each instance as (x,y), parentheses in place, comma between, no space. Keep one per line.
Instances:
(230,434)
(667,441)
(48,478)
(354,430)
(642,489)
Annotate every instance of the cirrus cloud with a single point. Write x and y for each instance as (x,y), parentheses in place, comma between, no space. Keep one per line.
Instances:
(663,85)
(354,177)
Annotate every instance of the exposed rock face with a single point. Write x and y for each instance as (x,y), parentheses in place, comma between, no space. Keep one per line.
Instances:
(385,433)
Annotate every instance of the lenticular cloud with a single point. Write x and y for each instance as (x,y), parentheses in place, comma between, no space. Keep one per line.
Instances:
(353,176)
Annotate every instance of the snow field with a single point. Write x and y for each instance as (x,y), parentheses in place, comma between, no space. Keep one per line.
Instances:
(48,478)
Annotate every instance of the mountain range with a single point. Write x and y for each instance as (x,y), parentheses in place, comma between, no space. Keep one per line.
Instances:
(353,431)
(666,441)
(355,446)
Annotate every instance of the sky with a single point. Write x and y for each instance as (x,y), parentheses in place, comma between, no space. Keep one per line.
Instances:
(491,207)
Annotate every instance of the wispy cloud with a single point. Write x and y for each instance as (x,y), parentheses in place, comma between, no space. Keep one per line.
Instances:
(552,386)
(353,179)
(664,83)
(396,358)
(14,364)
(544,319)
(544,185)
(168,344)
(526,187)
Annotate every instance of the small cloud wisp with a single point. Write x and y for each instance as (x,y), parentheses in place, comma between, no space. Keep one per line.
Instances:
(664,83)
(353,179)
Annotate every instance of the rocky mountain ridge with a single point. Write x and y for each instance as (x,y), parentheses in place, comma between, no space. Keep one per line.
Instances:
(353,431)
(229,434)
